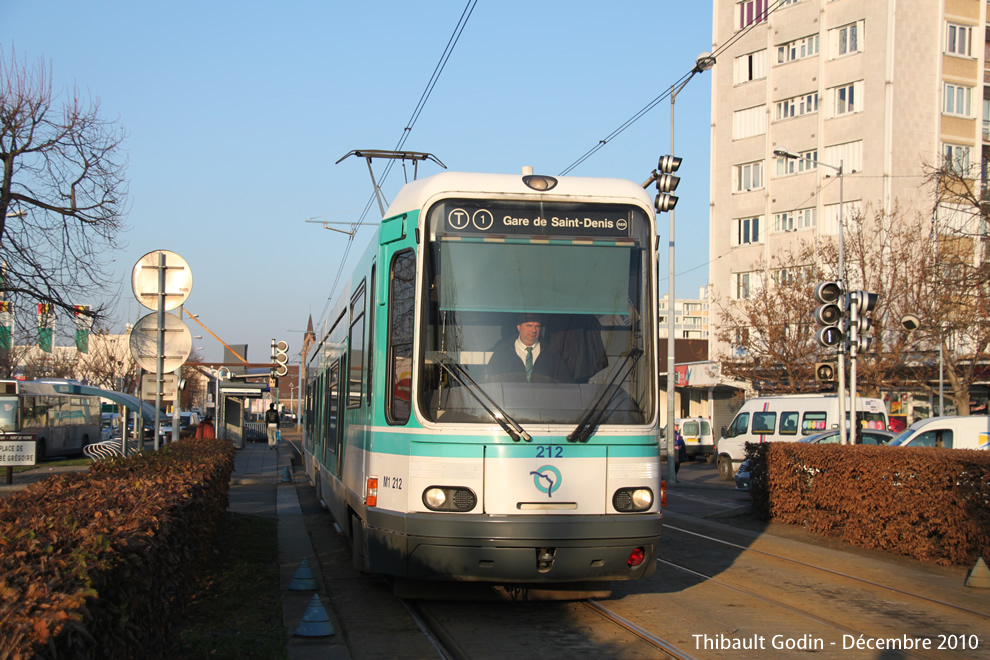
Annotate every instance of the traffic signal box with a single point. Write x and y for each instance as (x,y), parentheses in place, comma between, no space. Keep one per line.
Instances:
(829,314)
(666,183)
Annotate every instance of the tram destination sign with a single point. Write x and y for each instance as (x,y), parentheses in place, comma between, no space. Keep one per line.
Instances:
(544,220)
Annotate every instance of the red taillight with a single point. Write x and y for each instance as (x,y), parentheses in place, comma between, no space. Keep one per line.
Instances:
(636,557)
(372,497)
(663,494)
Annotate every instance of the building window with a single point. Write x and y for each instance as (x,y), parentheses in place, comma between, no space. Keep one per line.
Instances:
(846,39)
(752,66)
(797,106)
(793,276)
(849,155)
(805,162)
(797,50)
(751,12)
(748,176)
(846,99)
(959,40)
(958,100)
(749,122)
(747,231)
(795,220)
(956,157)
(745,285)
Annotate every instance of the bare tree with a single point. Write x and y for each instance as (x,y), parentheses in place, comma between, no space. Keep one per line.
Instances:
(62,195)
(954,304)
(772,333)
(109,364)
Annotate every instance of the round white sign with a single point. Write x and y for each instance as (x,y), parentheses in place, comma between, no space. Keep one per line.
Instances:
(145,279)
(144,342)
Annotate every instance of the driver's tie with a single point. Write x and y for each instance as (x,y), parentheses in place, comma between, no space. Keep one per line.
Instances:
(529,362)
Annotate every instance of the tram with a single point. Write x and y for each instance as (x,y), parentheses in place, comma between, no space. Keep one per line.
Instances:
(439,451)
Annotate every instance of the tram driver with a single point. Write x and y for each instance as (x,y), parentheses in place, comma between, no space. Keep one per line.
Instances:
(527,358)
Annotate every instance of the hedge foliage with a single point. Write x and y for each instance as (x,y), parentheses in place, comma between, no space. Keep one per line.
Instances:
(97,565)
(930,504)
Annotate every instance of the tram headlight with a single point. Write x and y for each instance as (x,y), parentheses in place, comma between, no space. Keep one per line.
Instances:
(434,498)
(632,499)
(540,182)
(449,498)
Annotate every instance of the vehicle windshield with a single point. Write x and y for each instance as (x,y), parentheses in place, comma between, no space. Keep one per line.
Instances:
(901,437)
(569,281)
(8,414)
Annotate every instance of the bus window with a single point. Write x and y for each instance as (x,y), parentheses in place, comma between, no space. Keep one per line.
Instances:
(8,415)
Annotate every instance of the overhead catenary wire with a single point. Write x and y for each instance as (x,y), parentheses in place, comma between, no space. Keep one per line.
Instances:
(406,131)
(666,94)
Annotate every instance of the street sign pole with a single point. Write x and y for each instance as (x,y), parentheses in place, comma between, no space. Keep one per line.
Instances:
(160,356)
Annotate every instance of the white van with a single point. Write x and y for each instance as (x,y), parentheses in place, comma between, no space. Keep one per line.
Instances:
(972,432)
(788,419)
(698,438)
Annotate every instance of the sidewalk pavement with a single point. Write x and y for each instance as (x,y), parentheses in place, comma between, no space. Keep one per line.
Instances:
(264,484)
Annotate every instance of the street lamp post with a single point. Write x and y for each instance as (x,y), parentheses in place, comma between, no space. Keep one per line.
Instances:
(841,385)
(704,62)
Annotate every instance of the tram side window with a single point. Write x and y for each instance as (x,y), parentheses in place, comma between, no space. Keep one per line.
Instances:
(401,308)
(355,361)
(764,423)
(332,384)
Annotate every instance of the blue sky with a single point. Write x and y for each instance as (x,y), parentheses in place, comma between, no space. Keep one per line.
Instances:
(236,113)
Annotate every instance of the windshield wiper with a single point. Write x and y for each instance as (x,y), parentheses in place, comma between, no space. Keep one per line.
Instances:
(502,418)
(597,411)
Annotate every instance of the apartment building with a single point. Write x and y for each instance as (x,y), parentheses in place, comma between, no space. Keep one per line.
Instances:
(691,317)
(878,87)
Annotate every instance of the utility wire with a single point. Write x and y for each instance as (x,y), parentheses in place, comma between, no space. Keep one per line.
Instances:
(666,94)
(413,118)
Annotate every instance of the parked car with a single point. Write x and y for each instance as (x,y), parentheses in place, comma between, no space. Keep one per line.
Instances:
(187,421)
(698,438)
(149,427)
(870,437)
(109,426)
(950,432)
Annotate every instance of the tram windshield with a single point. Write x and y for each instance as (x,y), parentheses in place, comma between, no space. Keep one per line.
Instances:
(537,312)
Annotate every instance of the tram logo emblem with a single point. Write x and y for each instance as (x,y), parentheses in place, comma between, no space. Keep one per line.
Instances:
(482,219)
(546,479)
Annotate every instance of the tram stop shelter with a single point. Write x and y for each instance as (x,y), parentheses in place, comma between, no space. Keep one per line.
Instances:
(231,423)
(127,402)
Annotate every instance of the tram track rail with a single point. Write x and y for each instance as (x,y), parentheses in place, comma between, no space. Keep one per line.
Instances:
(449,648)
(807,614)
(663,645)
(829,571)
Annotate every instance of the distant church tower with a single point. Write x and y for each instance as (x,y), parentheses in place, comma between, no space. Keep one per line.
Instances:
(308,340)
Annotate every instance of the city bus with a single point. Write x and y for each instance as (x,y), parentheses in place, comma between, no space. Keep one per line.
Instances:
(61,423)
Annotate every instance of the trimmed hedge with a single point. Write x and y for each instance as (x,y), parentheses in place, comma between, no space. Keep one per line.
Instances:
(930,504)
(98,565)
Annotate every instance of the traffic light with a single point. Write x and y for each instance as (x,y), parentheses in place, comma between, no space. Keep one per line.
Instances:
(825,372)
(667,183)
(281,358)
(829,314)
(860,303)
